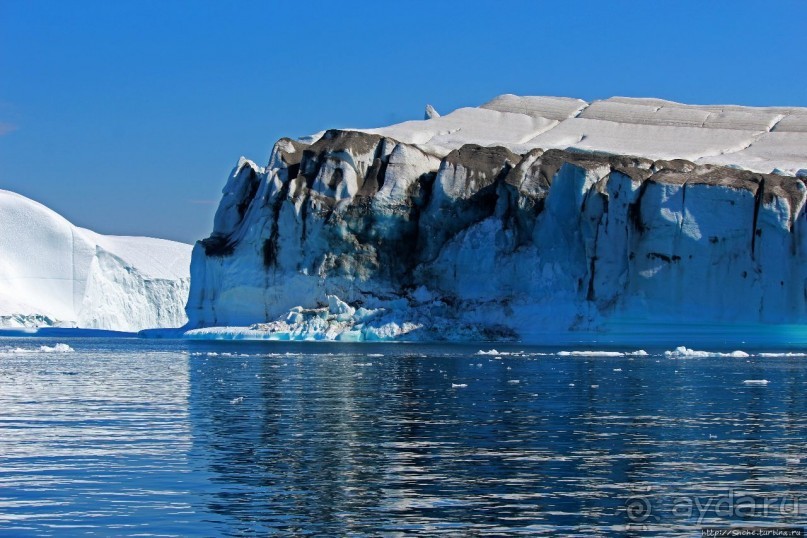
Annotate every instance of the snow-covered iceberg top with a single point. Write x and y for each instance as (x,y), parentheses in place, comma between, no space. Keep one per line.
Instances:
(53,273)
(762,139)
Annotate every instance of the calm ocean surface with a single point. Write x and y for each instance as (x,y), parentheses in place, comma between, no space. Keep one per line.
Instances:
(172,438)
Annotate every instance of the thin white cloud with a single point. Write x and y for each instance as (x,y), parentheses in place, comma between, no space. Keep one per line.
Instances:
(6,128)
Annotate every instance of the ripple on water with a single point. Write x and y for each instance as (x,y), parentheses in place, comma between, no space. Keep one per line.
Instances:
(176,438)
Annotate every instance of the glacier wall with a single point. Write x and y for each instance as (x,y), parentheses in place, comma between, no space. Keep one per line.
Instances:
(525,217)
(54,274)
(359,236)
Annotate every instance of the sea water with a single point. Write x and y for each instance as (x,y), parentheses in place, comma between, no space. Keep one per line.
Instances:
(175,438)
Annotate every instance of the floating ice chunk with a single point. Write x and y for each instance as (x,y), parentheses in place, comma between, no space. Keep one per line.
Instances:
(776,355)
(738,354)
(514,381)
(590,354)
(499,354)
(236,401)
(756,382)
(458,385)
(58,348)
(682,352)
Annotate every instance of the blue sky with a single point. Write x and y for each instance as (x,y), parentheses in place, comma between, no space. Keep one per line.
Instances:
(126,116)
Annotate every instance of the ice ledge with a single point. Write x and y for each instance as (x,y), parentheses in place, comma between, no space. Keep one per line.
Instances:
(700,336)
(422,317)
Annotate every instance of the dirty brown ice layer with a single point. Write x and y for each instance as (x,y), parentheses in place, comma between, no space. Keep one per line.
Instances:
(495,244)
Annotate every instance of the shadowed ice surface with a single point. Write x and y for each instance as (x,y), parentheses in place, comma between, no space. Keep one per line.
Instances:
(138,437)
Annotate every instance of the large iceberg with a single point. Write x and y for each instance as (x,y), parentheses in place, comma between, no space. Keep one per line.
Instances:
(54,274)
(525,217)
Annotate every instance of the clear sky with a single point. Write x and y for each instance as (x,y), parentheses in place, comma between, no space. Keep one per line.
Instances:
(126,116)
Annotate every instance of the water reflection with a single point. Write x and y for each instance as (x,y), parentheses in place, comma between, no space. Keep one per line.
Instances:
(340,443)
(92,437)
(177,438)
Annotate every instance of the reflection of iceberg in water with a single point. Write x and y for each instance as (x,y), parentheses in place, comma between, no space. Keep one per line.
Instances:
(139,437)
(335,443)
(292,452)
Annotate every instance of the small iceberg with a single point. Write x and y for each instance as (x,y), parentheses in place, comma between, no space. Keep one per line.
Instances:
(683,352)
(58,348)
(589,353)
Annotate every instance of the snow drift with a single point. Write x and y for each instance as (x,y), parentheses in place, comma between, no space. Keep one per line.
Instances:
(55,274)
(527,216)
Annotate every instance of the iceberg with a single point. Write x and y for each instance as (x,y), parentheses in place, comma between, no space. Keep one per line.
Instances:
(520,219)
(55,274)
(682,352)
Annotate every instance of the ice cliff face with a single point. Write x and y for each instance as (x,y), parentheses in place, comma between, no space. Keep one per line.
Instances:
(462,227)
(55,274)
